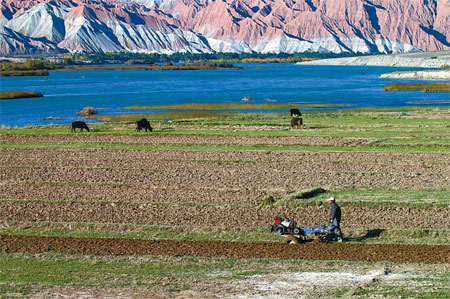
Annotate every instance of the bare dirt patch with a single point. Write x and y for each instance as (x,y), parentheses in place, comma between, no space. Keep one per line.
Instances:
(230,170)
(208,188)
(399,253)
(187,139)
(312,284)
(91,293)
(225,216)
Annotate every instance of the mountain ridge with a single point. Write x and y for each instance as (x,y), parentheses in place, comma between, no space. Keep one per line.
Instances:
(168,26)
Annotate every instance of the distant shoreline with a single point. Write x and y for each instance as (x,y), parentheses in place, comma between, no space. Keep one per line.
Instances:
(179,67)
(20,73)
(421,59)
(426,75)
(156,67)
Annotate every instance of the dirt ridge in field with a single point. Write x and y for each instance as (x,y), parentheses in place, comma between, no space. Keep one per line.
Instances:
(225,216)
(189,139)
(398,253)
(233,169)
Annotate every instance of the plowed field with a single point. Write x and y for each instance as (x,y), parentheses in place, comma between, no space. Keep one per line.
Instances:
(186,208)
(208,188)
(400,253)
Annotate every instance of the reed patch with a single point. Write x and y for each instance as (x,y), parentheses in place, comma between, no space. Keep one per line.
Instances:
(425,87)
(9,95)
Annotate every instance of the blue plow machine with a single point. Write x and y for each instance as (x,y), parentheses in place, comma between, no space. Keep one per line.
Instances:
(295,235)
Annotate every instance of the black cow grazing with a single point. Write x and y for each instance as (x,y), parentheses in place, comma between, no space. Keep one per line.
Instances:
(297,121)
(295,112)
(143,124)
(79,124)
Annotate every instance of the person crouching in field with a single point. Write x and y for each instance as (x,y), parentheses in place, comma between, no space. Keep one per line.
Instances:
(335,218)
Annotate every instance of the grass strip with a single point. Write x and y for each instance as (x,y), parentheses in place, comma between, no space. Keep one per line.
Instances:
(426,87)
(233,106)
(420,199)
(216,233)
(20,73)
(154,67)
(6,95)
(191,115)
(440,148)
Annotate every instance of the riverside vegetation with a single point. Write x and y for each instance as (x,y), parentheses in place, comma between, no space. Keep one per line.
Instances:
(42,67)
(5,95)
(31,67)
(388,168)
(153,61)
(426,87)
(187,57)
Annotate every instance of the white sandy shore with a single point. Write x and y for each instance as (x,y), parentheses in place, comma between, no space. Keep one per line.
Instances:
(427,75)
(421,59)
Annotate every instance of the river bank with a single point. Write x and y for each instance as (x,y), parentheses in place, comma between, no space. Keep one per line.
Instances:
(423,59)
(426,75)
(44,71)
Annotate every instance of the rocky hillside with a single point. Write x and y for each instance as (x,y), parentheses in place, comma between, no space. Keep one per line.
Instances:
(167,26)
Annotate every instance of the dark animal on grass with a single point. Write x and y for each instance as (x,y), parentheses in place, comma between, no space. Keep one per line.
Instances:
(143,124)
(295,112)
(298,122)
(80,125)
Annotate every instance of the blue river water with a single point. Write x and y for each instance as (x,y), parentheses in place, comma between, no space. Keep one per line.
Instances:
(65,93)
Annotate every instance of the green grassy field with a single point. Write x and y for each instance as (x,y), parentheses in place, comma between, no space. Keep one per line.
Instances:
(404,130)
(234,106)
(216,233)
(23,274)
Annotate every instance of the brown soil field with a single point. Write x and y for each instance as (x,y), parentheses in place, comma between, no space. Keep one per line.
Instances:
(230,169)
(147,206)
(400,253)
(189,139)
(210,188)
(224,216)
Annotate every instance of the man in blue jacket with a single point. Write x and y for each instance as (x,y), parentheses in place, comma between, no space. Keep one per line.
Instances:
(335,217)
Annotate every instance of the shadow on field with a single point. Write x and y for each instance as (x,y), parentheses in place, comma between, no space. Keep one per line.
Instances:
(371,233)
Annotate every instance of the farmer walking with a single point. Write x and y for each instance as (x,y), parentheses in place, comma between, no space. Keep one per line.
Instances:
(335,217)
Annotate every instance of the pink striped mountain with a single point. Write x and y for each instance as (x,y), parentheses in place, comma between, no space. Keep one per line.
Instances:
(167,26)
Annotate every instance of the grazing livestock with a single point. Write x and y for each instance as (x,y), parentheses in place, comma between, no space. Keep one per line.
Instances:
(295,112)
(143,124)
(79,124)
(297,121)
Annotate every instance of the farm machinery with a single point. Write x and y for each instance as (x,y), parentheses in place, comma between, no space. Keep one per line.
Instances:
(294,235)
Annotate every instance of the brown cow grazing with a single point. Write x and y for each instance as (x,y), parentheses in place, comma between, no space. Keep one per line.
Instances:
(297,121)
(295,112)
(80,125)
(143,124)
